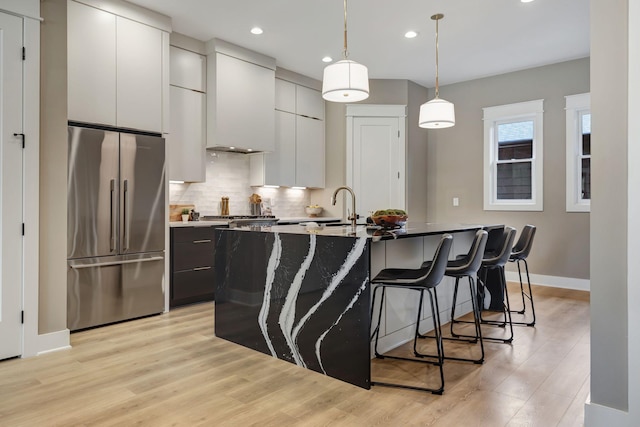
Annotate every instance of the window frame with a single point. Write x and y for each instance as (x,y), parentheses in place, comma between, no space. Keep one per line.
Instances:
(575,106)
(501,114)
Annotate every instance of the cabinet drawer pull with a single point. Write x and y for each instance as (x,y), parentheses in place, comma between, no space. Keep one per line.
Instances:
(201,268)
(202,241)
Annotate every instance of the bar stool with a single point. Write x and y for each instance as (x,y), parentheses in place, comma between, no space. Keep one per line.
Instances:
(519,254)
(493,260)
(421,280)
(467,266)
(498,261)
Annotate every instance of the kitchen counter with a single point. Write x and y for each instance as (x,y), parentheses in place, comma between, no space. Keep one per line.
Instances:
(304,295)
(411,229)
(299,219)
(286,220)
(198,224)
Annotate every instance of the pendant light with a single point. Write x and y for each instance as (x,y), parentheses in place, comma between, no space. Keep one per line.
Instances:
(437,113)
(345,80)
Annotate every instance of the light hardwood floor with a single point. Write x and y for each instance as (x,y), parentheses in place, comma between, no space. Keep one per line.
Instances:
(170,370)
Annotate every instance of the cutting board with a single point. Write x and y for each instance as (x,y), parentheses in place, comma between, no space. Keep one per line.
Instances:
(175,211)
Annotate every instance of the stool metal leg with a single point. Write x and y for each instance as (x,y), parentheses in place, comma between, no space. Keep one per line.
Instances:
(524,307)
(526,295)
(440,356)
(506,312)
(377,330)
(456,337)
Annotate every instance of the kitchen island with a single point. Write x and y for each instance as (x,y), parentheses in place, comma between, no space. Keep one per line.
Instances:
(303,295)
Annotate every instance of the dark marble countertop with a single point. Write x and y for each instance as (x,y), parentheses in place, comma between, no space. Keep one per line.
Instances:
(411,229)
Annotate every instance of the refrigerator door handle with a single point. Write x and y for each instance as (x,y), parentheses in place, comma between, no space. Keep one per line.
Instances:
(112,246)
(78,266)
(124,213)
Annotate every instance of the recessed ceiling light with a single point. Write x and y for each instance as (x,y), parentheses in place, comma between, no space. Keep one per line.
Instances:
(256,30)
(410,34)
(327,59)
(526,1)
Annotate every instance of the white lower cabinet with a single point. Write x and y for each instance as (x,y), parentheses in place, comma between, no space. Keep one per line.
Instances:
(298,160)
(187,138)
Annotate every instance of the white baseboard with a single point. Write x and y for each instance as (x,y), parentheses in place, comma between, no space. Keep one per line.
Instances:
(597,415)
(552,281)
(54,341)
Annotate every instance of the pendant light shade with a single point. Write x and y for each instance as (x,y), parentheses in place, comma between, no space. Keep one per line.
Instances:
(437,113)
(345,80)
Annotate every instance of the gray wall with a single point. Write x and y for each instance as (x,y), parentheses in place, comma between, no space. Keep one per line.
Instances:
(53,167)
(609,280)
(455,163)
(396,92)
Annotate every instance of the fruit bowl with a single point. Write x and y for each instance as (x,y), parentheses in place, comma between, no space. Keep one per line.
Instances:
(390,221)
(313,211)
(389,218)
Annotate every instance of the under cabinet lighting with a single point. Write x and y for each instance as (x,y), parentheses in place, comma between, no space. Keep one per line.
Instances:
(298,188)
(271,186)
(176,182)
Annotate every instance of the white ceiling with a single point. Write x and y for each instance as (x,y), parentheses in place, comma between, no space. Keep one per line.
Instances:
(478,38)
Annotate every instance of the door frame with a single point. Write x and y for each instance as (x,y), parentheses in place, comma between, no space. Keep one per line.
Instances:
(376,110)
(31,173)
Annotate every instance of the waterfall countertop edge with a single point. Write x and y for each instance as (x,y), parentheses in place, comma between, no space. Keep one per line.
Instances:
(411,229)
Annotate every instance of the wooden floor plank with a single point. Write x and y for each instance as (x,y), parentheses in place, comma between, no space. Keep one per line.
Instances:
(170,370)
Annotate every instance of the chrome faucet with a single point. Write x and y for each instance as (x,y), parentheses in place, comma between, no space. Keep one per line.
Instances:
(353,215)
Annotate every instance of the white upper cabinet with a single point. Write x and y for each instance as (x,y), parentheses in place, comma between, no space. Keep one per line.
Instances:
(187,138)
(91,50)
(115,69)
(285,96)
(278,167)
(308,103)
(187,69)
(245,99)
(240,98)
(309,152)
(299,156)
(139,76)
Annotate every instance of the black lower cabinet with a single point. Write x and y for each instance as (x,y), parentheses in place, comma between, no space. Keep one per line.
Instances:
(192,256)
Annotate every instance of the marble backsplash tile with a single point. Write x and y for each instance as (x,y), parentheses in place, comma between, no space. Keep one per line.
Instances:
(228,175)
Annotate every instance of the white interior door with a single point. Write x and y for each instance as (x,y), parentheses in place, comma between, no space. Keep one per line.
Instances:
(11,164)
(377,163)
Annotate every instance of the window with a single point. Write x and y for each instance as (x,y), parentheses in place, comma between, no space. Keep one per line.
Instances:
(578,111)
(513,157)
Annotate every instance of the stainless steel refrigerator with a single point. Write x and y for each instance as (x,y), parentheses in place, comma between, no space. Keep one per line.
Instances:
(116,226)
